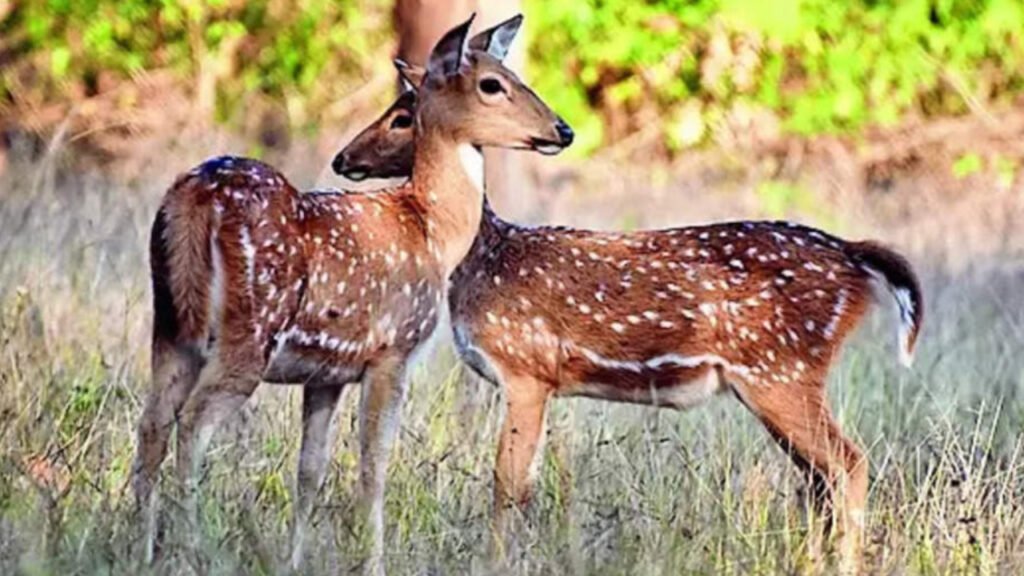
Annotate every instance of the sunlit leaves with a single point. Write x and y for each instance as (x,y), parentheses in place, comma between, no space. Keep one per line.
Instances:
(821,66)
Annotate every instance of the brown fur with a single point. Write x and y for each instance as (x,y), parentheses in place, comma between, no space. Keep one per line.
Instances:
(765,306)
(319,289)
(668,318)
(739,291)
(186,238)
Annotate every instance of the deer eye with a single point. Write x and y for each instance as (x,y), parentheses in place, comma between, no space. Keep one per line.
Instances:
(491,86)
(401,121)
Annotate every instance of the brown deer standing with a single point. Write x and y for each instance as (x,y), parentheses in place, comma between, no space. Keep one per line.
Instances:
(254,281)
(667,318)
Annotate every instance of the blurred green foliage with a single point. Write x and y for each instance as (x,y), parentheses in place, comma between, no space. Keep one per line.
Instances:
(967,165)
(819,66)
(297,52)
(612,67)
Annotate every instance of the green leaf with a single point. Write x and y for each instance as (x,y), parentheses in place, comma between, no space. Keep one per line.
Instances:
(967,165)
(60,61)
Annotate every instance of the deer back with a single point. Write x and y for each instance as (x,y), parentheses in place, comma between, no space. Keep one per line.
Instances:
(765,301)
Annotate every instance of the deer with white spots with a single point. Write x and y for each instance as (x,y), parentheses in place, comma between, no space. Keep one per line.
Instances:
(670,318)
(254,281)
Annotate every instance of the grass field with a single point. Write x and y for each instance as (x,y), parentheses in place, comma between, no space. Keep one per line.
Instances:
(624,490)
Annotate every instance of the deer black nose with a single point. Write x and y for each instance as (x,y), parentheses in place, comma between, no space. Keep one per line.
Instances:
(338,165)
(565,133)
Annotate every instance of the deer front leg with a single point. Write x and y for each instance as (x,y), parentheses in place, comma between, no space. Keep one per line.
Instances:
(519,450)
(318,429)
(379,414)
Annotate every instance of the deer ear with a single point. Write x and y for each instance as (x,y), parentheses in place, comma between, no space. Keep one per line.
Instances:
(410,76)
(450,52)
(497,40)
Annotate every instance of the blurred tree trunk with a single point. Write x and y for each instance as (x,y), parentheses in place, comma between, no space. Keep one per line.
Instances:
(420,24)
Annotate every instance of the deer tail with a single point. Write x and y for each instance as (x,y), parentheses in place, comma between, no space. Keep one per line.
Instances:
(895,272)
(181,264)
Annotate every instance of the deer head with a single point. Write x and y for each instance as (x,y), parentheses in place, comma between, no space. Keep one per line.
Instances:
(469,96)
(385,148)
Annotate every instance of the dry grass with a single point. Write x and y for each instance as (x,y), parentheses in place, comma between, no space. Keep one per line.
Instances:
(624,489)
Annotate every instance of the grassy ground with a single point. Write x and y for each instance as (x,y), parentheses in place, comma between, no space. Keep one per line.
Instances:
(624,490)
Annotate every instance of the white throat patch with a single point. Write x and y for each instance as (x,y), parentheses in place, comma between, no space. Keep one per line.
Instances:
(473,163)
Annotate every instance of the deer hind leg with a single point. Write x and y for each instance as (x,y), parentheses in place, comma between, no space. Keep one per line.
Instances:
(318,430)
(175,372)
(520,450)
(798,417)
(379,416)
(222,390)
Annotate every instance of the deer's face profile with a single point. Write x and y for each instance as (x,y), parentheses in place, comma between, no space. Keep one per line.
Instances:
(385,148)
(478,99)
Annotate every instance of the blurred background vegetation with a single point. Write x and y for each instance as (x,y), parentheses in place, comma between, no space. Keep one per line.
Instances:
(677,73)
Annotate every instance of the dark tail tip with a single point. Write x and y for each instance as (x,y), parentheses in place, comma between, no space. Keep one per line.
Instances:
(891,267)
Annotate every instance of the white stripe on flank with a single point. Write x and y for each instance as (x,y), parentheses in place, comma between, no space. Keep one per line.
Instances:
(216,302)
(249,251)
(677,360)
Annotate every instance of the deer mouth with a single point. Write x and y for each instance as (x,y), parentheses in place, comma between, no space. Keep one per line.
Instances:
(549,147)
(344,166)
(546,147)
(356,173)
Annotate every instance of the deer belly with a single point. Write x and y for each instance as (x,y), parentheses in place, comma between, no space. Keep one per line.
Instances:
(686,389)
(300,357)
(291,365)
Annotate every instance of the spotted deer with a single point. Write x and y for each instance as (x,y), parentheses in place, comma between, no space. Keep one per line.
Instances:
(253,281)
(668,318)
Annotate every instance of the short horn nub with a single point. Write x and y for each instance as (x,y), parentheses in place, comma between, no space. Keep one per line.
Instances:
(895,271)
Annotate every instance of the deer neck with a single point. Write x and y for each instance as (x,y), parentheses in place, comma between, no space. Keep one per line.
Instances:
(448,177)
(492,228)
